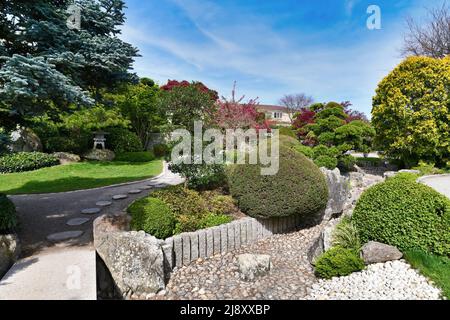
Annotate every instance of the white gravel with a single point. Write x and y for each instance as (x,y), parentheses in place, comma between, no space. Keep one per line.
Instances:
(384,281)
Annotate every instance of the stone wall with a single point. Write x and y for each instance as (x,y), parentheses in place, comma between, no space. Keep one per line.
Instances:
(185,248)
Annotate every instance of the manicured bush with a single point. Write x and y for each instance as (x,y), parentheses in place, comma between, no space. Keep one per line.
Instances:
(405,214)
(305,150)
(8,217)
(152,216)
(326,162)
(26,161)
(213,220)
(427,168)
(144,156)
(201,177)
(160,150)
(338,262)
(346,163)
(122,140)
(299,188)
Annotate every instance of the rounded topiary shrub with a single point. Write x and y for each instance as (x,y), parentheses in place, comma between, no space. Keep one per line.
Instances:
(338,262)
(299,188)
(326,162)
(405,214)
(8,218)
(152,216)
(26,161)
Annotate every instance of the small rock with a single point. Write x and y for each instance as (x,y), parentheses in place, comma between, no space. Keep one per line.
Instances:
(375,252)
(252,265)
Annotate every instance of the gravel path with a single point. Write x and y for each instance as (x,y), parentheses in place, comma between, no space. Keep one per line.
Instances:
(390,281)
(219,278)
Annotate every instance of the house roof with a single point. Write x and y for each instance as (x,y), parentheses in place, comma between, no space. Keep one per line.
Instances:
(266,107)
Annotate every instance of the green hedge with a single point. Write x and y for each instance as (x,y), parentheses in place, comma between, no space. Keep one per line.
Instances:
(152,216)
(8,218)
(405,214)
(26,161)
(338,262)
(299,188)
(138,157)
(122,140)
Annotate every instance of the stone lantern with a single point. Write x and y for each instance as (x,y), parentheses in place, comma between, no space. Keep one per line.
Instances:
(100,139)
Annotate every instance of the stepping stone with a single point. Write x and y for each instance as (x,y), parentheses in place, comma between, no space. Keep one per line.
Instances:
(103,203)
(120,197)
(63,236)
(136,191)
(91,211)
(77,221)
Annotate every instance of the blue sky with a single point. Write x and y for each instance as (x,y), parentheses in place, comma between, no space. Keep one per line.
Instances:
(271,47)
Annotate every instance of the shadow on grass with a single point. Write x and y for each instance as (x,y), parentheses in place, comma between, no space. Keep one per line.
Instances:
(70,184)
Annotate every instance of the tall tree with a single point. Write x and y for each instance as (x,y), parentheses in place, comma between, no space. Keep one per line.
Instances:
(432,38)
(47,65)
(295,103)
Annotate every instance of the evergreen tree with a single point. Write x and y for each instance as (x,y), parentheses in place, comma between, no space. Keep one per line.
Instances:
(45,65)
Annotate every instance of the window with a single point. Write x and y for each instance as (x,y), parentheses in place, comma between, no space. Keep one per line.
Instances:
(277,115)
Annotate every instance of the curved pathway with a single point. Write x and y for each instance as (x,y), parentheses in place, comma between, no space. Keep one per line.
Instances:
(58,258)
(440,183)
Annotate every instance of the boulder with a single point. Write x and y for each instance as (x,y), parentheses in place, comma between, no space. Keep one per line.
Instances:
(253,265)
(25,140)
(9,252)
(339,188)
(100,155)
(67,158)
(389,174)
(375,252)
(410,171)
(135,260)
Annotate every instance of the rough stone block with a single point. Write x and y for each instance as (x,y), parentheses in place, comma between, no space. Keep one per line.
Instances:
(231,236)
(178,250)
(202,244)
(237,235)
(217,241)
(186,248)
(243,231)
(194,246)
(209,242)
(223,238)
(168,255)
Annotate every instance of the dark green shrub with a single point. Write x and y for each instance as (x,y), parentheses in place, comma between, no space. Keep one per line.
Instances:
(405,214)
(72,142)
(26,161)
(160,150)
(8,217)
(326,161)
(4,142)
(143,156)
(152,216)
(346,163)
(338,262)
(299,188)
(213,220)
(122,140)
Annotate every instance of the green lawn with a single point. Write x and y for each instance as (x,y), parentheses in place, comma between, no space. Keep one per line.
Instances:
(434,267)
(78,176)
